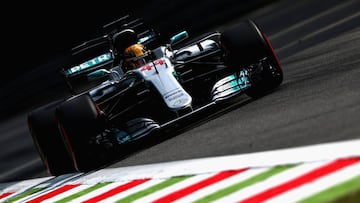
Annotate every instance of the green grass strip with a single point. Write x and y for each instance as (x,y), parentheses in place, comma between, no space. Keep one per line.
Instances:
(83,192)
(152,189)
(246,183)
(348,191)
(25,194)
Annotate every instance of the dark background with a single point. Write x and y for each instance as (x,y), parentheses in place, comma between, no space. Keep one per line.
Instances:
(38,34)
(37,38)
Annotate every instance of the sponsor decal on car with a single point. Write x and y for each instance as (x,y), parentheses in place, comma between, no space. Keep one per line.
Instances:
(90,63)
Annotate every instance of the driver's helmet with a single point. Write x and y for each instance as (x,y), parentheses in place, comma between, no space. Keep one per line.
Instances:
(135,56)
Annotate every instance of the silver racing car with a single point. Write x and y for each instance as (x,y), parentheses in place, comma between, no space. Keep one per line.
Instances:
(137,87)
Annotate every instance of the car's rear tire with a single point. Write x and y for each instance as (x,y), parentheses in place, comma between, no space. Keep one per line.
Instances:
(44,130)
(246,44)
(80,122)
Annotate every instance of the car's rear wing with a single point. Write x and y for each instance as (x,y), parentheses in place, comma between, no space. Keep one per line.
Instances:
(145,34)
(84,59)
(76,77)
(97,53)
(90,65)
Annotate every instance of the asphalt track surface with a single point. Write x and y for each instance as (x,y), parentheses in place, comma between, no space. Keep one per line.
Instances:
(318,43)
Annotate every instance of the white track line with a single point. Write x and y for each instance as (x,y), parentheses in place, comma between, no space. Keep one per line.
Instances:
(320,152)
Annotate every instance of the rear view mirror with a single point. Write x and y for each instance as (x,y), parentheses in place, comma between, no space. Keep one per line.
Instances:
(179,37)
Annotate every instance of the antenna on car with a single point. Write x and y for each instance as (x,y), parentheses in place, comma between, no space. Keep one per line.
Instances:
(88,44)
(125,22)
(120,20)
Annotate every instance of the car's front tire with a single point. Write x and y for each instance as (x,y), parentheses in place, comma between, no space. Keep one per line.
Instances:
(80,123)
(43,126)
(246,44)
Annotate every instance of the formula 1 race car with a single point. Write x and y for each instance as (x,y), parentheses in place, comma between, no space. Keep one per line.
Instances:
(175,81)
